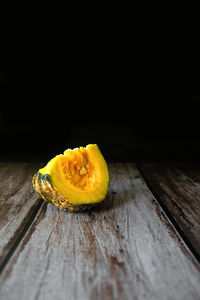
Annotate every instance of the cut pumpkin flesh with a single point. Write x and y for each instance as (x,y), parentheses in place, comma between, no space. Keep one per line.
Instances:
(75,180)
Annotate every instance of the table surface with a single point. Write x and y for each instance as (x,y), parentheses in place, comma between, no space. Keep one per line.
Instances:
(142,242)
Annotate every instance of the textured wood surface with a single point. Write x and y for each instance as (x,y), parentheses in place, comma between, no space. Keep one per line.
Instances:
(177,187)
(18,202)
(124,249)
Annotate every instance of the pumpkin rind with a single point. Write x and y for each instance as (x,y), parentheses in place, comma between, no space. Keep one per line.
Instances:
(42,183)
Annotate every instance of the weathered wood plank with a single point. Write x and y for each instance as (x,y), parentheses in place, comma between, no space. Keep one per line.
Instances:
(124,249)
(177,187)
(17,203)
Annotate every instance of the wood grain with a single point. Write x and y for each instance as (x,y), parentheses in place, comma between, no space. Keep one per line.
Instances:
(177,187)
(18,202)
(124,249)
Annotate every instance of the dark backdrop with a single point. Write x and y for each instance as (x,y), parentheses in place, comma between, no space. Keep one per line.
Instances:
(135,104)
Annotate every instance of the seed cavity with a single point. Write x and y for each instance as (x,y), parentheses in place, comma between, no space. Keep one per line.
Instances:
(65,170)
(83,171)
(78,170)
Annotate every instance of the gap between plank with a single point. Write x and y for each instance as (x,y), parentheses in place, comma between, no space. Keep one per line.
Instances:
(20,235)
(171,219)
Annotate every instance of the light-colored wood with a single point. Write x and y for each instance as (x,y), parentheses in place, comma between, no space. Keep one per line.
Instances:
(177,187)
(17,203)
(124,249)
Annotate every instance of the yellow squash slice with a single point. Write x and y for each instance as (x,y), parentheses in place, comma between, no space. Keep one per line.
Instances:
(75,180)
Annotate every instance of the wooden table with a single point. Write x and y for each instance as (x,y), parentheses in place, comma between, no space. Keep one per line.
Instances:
(142,242)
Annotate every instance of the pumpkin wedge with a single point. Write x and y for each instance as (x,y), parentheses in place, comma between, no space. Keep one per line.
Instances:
(75,180)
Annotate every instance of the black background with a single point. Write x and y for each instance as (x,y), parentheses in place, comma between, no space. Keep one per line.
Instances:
(139,101)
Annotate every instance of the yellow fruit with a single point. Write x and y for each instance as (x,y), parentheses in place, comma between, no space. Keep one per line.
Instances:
(75,180)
